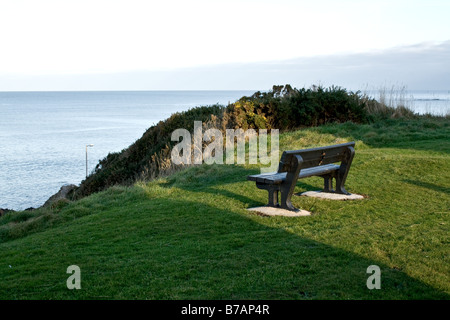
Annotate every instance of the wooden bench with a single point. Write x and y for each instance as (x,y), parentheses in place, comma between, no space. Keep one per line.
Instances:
(298,164)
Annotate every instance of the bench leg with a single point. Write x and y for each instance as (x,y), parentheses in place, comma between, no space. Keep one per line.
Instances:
(273,198)
(341,176)
(328,183)
(273,193)
(288,186)
(340,186)
(286,193)
(286,202)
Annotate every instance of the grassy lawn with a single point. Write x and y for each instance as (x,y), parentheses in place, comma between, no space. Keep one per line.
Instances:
(189,236)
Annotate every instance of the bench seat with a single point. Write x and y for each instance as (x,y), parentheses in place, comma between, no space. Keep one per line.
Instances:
(273,178)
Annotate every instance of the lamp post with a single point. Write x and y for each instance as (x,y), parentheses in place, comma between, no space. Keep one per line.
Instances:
(88,145)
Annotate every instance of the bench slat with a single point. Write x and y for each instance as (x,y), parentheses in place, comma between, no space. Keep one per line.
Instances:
(268,178)
(320,170)
(318,150)
(316,156)
(277,178)
(308,163)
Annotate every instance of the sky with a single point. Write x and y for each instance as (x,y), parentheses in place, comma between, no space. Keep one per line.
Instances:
(222,45)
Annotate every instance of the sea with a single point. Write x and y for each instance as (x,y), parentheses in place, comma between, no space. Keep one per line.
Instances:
(44,135)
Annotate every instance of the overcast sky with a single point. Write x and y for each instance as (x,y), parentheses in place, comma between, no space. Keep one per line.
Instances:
(214,44)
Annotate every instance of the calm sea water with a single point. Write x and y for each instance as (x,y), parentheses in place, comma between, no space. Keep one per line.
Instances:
(43,135)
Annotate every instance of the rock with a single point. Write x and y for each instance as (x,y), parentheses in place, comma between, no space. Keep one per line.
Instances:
(64,193)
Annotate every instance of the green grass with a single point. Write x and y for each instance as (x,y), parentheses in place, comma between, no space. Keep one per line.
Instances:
(188,236)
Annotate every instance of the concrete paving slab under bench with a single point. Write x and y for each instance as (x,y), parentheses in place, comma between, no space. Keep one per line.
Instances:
(271,211)
(330,196)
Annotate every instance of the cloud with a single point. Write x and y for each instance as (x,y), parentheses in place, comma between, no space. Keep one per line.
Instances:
(421,66)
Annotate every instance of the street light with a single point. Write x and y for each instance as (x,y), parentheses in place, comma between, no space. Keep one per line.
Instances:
(88,145)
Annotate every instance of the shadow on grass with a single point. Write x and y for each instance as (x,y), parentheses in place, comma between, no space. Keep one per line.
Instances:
(246,200)
(236,258)
(201,182)
(427,185)
(193,251)
(202,179)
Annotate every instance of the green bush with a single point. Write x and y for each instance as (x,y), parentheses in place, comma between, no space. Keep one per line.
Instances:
(286,108)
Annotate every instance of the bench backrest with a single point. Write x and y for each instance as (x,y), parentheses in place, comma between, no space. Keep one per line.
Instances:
(316,156)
